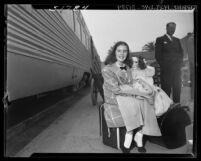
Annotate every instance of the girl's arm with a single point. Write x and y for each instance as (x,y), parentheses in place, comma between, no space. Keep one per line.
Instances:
(110,81)
(146,85)
(145,88)
(112,85)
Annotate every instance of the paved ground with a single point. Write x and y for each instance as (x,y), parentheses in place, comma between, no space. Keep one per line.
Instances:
(77,131)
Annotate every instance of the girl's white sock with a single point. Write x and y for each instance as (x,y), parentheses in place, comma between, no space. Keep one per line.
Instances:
(128,139)
(138,139)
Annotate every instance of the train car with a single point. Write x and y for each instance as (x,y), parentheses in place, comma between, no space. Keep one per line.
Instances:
(45,50)
(96,62)
(96,79)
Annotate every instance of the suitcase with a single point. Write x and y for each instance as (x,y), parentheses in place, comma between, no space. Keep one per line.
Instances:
(113,137)
(172,125)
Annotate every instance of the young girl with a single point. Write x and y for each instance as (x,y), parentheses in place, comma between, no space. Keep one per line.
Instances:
(122,107)
(144,74)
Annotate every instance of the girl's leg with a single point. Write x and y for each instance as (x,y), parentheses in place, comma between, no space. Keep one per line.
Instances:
(128,139)
(138,139)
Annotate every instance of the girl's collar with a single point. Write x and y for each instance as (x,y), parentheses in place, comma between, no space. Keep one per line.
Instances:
(136,68)
(117,64)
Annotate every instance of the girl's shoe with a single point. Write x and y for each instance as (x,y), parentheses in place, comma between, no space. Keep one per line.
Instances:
(140,149)
(127,142)
(138,142)
(125,150)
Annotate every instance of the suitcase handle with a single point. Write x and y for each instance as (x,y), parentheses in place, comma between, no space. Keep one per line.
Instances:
(100,119)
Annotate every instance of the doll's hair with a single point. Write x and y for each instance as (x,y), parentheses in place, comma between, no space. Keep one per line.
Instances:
(141,63)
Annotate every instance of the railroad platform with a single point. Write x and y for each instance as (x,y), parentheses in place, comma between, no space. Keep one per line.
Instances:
(77,131)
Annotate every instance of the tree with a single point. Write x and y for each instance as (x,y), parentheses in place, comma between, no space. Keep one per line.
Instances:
(150,46)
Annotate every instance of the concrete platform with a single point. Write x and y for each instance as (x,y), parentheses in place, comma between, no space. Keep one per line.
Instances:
(77,131)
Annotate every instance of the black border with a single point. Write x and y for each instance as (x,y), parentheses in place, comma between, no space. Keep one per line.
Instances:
(128,5)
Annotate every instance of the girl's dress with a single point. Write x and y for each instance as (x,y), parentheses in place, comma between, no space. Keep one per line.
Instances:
(126,110)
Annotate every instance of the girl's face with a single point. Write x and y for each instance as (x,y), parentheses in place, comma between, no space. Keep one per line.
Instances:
(135,62)
(121,53)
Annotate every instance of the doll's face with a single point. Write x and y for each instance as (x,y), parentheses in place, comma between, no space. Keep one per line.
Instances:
(121,53)
(135,62)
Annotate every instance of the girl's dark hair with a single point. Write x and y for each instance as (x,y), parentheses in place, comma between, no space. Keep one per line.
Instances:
(111,57)
(141,63)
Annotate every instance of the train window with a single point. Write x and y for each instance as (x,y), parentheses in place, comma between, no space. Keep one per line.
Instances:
(89,43)
(77,27)
(68,17)
(83,36)
(86,42)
